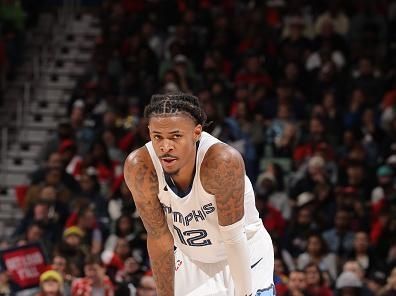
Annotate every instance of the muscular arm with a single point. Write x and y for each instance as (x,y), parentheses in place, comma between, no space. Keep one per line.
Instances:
(142,181)
(223,175)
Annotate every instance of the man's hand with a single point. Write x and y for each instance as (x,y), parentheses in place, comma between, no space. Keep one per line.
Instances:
(141,178)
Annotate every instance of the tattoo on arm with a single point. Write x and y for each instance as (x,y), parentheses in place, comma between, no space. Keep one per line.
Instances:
(223,175)
(164,268)
(142,180)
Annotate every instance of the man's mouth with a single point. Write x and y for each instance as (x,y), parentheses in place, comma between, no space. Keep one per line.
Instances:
(168,160)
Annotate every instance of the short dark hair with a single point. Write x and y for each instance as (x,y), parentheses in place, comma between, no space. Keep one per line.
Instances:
(175,103)
(92,259)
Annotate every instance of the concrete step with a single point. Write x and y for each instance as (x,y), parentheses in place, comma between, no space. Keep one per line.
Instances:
(41,125)
(50,94)
(73,55)
(25,147)
(14,215)
(30,136)
(19,161)
(79,42)
(7,192)
(62,83)
(49,106)
(6,207)
(8,197)
(55,113)
(29,154)
(68,68)
(6,231)
(12,179)
(86,18)
(70,71)
(31,124)
(27,168)
(81,28)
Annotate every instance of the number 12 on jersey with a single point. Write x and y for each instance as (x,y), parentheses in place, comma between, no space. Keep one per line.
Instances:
(193,238)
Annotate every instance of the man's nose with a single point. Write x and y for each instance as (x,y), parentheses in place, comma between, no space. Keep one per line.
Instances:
(166,145)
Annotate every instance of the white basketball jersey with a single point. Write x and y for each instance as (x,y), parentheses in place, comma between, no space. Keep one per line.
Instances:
(192,219)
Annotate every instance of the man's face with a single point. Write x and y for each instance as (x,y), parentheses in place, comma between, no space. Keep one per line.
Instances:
(53,177)
(342,220)
(297,281)
(59,264)
(55,161)
(174,139)
(34,234)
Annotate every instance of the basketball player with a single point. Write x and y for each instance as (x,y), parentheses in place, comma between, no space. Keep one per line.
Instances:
(192,192)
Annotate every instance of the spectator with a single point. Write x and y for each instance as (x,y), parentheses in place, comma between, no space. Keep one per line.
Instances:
(272,218)
(61,265)
(280,275)
(130,274)
(54,161)
(121,202)
(127,227)
(64,132)
(5,287)
(317,252)
(376,281)
(390,288)
(314,174)
(356,268)
(315,282)
(51,284)
(299,228)
(296,285)
(146,286)
(53,177)
(340,238)
(266,186)
(33,234)
(348,284)
(40,214)
(72,248)
(386,186)
(84,219)
(90,192)
(336,16)
(95,281)
(363,253)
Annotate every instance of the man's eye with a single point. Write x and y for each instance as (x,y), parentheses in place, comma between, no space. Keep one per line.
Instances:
(156,137)
(176,136)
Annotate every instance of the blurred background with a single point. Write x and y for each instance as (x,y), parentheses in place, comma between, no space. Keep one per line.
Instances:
(304,89)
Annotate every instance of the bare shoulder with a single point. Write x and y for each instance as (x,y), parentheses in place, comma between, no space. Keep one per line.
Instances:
(221,161)
(222,152)
(137,158)
(223,175)
(139,171)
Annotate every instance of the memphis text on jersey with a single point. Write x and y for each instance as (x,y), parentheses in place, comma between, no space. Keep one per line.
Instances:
(196,215)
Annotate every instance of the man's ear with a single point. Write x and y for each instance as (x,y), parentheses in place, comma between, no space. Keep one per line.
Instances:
(197,132)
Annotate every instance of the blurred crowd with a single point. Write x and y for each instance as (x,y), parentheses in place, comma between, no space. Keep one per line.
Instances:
(304,89)
(15,17)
